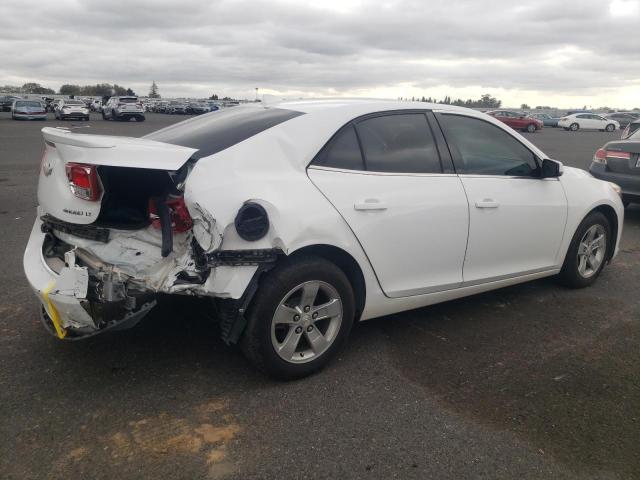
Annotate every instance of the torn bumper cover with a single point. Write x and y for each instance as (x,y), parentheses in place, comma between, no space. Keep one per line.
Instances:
(90,286)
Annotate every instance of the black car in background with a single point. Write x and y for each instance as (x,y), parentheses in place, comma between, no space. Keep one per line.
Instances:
(623,118)
(6,101)
(619,162)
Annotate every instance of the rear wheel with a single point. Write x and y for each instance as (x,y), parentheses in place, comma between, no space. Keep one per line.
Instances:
(574,127)
(610,128)
(587,253)
(299,318)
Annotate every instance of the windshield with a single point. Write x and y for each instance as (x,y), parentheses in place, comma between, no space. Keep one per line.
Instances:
(213,132)
(29,104)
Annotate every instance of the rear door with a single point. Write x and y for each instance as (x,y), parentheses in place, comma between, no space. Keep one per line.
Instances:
(517,219)
(383,173)
(586,120)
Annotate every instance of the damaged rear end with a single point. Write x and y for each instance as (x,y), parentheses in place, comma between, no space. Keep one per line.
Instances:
(113,231)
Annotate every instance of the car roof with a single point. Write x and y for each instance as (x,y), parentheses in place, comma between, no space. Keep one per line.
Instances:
(324,117)
(360,106)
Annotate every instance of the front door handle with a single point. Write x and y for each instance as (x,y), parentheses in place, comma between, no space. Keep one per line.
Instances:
(487,203)
(370,204)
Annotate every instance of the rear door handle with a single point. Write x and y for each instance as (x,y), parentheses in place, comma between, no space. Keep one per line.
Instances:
(487,203)
(370,204)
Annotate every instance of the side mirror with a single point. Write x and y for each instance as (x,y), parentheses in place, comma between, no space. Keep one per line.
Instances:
(550,168)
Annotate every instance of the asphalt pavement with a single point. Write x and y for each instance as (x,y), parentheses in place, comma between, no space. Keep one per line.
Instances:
(533,381)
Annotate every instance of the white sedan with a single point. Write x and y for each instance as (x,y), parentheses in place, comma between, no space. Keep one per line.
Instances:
(300,218)
(588,121)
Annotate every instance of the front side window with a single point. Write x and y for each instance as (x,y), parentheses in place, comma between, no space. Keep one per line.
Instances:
(481,148)
(400,143)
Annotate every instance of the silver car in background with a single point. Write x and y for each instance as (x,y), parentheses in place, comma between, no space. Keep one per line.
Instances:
(28,110)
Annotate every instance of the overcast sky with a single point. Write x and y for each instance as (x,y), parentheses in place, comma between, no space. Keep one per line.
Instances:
(566,53)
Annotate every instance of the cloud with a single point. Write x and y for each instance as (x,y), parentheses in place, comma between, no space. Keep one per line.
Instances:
(546,49)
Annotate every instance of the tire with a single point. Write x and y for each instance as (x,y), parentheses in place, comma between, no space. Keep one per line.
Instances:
(286,283)
(572,275)
(610,128)
(104,117)
(531,128)
(574,127)
(141,118)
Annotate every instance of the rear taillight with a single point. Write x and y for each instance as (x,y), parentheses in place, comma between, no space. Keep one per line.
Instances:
(83,181)
(600,156)
(180,218)
(620,155)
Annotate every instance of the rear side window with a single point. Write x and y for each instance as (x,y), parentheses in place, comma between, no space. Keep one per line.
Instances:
(342,152)
(481,148)
(400,143)
(213,132)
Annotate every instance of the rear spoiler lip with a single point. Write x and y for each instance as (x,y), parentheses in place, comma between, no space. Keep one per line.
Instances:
(116,151)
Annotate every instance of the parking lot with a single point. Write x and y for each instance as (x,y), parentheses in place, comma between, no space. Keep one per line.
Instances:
(533,381)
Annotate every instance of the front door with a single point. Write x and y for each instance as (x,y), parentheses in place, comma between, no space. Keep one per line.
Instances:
(517,219)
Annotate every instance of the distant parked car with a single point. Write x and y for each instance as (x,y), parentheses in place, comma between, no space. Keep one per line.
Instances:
(623,118)
(176,107)
(619,162)
(546,119)
(198,108)
(516,120)
(588,121)
(631,129)
(28,110)
(6,102)
(70,108)
(123,108)
(96,105)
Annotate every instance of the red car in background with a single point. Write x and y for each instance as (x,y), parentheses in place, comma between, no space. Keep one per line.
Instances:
(517,121)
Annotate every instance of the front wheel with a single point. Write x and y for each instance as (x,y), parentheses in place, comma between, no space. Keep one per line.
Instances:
(299,318)
(531,128)
(610,128)
(587,253)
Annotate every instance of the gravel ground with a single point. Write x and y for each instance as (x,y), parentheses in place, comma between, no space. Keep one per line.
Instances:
(533,381)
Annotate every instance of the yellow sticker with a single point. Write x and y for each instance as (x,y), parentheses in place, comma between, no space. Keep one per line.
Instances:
(53,311)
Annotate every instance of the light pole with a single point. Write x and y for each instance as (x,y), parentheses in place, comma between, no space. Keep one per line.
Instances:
(256,94)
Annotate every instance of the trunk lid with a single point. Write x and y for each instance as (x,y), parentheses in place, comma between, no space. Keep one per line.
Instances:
(627,162)
(112,156)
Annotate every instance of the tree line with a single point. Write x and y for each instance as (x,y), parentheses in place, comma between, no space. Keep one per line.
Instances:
(97,90)
(485,101)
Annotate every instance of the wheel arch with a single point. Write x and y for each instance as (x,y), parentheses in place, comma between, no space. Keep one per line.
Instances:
(610,214)
(345,261)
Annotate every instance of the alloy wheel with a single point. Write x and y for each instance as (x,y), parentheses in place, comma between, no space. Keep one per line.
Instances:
(306,322)
(591,250)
